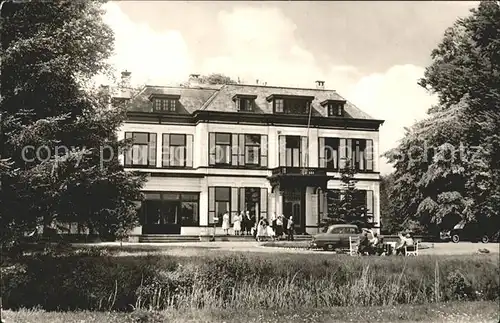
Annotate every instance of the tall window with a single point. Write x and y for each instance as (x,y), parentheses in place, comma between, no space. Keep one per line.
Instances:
(177,150)
(293,151)
(252,149)
(279,105)
(329,153)
(164,105)
(360,153)
(143,150)
(248,150)
(221,200)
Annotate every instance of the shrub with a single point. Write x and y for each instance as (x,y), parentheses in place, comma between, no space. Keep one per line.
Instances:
(244,281)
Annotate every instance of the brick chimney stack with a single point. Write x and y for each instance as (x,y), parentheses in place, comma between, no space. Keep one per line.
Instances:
(320,85)
(126,79)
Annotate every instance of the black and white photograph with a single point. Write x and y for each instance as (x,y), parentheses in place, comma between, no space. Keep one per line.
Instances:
(249,161)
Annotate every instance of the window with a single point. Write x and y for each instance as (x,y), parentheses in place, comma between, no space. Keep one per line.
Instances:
(164,105)
(329,153)
(335,109)
(175,208)
(293,151)
(359,152)
(279,105)
(245,104)
(143,150)
(234,200)
(177,150)
(252,149)
(248,150)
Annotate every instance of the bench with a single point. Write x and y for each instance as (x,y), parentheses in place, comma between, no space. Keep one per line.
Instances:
(353,246)
(412,250)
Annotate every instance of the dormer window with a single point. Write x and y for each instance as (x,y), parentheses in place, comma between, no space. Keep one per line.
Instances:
(244,103)
(290,104)
(164,102)
(335,108)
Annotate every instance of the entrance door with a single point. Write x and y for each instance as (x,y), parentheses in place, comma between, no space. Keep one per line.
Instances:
(293,205)
(161,217)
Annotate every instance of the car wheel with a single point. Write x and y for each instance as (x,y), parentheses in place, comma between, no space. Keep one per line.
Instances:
(329,247)
(455,238)
(485,239)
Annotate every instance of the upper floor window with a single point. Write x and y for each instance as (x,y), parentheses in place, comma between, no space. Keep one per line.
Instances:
(291,104)
(164,102)
(164,105)
(143,150)
(177,150)
(244,103)
(335,108)
(334,152)
(293,151)
(237,149)
(329,153)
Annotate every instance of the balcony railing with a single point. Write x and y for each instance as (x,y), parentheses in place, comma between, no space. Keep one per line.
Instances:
(307,171)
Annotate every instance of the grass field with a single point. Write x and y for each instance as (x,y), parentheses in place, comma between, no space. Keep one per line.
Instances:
(456,312)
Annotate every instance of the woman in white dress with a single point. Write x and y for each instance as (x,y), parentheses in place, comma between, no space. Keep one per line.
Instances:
(225,223)
(237,224)
(261,229)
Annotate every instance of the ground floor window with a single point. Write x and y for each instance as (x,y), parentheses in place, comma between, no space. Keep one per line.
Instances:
(176,208)
(234,200)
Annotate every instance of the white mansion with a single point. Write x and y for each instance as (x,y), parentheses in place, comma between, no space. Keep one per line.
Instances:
(211,149)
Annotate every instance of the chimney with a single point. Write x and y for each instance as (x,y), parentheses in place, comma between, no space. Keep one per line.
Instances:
(194,80)
(320,85)
(257,82)
(126,78)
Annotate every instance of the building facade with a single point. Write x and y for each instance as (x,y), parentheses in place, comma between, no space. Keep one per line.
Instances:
(210,149)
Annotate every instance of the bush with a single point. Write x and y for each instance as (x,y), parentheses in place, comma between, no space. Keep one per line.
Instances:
(244,281)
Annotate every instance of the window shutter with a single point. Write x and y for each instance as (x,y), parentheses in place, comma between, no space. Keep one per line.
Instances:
(152,150)
(211,204)
(189,150)
(263,150)
(242,199)
(211,149)
(263,202)
(369,205)
(234,149)
(241,149)
(165,157)
(304,151)
(322,158)
(321,204)
(128,152)
(342,153)
(350,153)
(234,202)
(369,154)
(282,150)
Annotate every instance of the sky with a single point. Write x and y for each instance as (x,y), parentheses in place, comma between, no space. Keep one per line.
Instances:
(371,53)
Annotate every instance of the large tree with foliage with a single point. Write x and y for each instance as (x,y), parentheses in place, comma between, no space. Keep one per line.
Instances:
(50,52)
(448,165)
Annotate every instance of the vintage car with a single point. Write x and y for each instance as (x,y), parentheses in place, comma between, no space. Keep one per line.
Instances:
(470,232)
(335,237)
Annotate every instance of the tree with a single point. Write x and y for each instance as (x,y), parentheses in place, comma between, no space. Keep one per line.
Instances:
(391,221)
(447,166)
(349,206)
(59,132)
(213,79)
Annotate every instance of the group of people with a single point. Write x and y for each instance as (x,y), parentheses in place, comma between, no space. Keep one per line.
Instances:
(245,224)
(376,246)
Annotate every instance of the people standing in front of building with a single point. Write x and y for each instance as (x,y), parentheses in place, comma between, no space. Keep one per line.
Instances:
(290,229)
(279,226)
(285,225)
(261,229)
(225,223)
(237,224)
(273,221)
(248,223)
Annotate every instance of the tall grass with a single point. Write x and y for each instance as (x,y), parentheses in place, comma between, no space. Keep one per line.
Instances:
(250,281)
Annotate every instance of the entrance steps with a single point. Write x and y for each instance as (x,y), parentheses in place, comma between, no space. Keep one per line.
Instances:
(167,238)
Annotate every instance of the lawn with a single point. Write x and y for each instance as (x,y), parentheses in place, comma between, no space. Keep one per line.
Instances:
(455,312)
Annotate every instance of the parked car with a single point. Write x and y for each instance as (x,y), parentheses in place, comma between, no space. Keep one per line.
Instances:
(470,232)
(336,236)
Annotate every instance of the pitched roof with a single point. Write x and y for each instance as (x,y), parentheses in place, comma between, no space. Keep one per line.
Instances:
(220,98)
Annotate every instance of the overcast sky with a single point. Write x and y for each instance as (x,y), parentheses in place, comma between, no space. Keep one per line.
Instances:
(372,53)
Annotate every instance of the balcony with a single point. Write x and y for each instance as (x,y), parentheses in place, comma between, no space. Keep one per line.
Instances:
(299,176)
(294,171)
